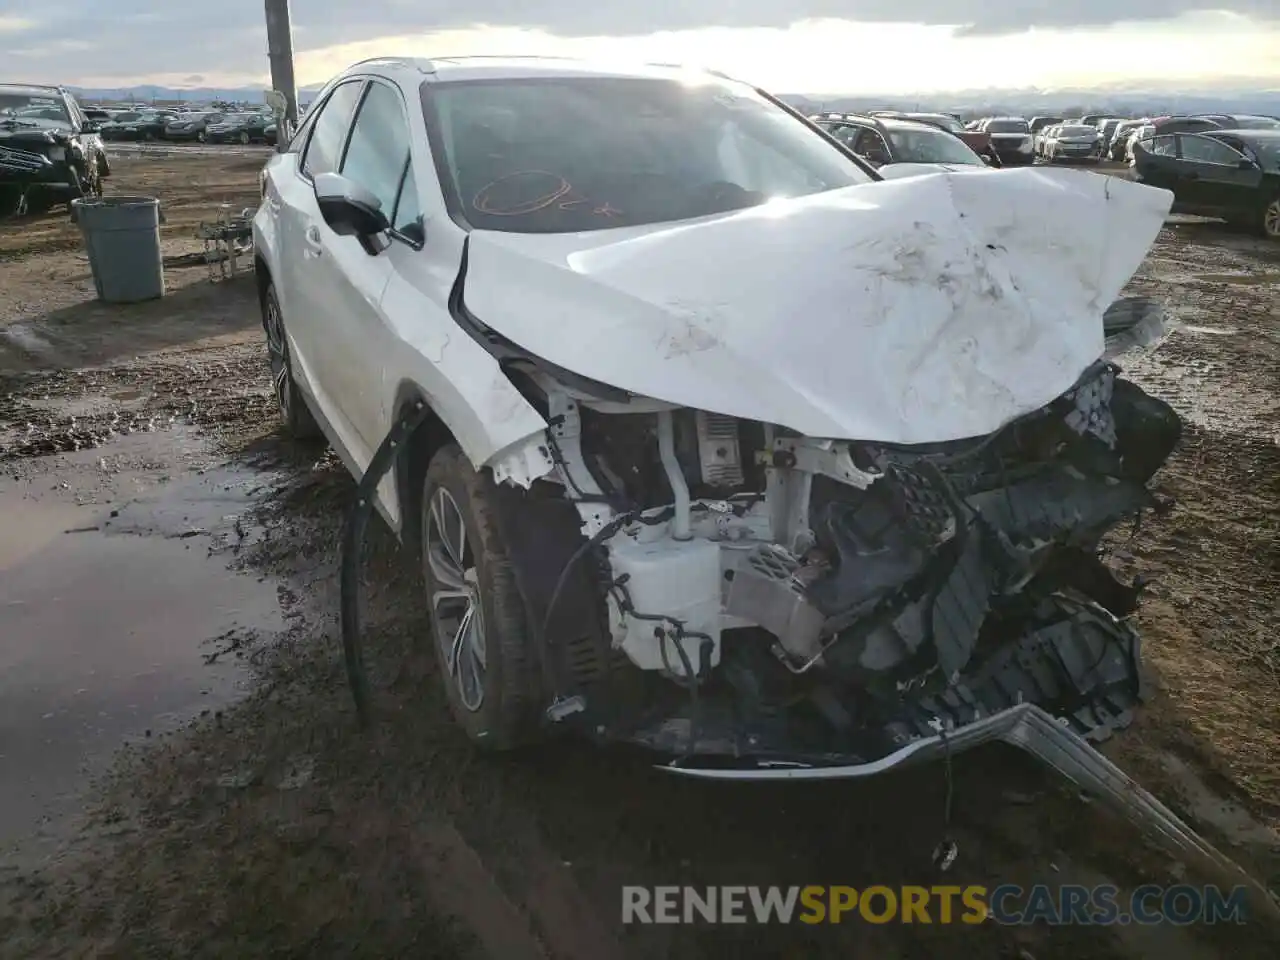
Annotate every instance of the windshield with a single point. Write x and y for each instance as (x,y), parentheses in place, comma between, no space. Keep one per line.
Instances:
(930,146)
(34,109)
(570,154)
(1008,126)
(125,117)
(1078,131)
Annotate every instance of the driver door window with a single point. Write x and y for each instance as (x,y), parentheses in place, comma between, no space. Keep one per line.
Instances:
(377,155)
(329,132)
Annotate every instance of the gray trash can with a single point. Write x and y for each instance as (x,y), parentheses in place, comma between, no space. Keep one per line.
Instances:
(122,235)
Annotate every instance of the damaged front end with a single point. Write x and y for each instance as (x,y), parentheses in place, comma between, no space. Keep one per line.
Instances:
(752,602)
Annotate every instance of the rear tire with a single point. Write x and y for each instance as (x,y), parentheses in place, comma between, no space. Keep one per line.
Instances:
(295,413)
(483,643)
(1269,222)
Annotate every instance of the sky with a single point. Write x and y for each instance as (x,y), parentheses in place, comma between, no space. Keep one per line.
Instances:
(800,46)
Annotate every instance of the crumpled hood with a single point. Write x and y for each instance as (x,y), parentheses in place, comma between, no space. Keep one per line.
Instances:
(921,310)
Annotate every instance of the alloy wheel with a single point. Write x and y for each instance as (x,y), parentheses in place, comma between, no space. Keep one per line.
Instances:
(456,612)
(244,137)
(278,355)
(1271,219)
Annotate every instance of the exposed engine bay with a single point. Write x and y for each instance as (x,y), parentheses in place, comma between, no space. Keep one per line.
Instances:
(716,587)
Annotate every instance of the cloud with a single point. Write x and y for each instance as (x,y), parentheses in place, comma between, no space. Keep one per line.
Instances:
(15,25)
(134,37)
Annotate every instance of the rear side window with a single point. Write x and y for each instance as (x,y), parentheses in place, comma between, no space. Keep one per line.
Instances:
(329,132)
(1208,150)
(379,147)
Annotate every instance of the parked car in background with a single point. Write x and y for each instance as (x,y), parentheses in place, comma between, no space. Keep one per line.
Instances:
(1119,141)
(1066,142)
(898,147)
(239,128)
(1093,119)
(1232,174)
(1138,135)
(1106,128)
(114,128)
(1038,127)
(191,126)
(50,152)
(1011,138)
(979,143)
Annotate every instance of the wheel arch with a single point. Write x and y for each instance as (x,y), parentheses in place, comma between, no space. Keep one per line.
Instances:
(411,468)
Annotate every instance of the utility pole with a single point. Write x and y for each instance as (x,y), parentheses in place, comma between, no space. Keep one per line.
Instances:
(280,50)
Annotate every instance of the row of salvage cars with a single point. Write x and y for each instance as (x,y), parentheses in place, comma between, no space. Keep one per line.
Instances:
(191,126)
(732,449)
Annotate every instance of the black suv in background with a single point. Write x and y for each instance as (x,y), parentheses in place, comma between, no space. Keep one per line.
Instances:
(50,151)
(1232,174)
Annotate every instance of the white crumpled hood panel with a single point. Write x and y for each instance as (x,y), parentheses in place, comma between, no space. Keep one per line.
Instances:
(920,310)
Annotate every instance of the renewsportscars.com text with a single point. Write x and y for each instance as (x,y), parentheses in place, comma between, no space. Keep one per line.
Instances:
(1068,904)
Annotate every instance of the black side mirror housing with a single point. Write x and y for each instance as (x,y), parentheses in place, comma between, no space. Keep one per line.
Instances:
(1244,163)
(348,208)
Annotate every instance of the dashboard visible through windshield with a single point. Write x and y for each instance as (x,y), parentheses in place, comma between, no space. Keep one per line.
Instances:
(566,155)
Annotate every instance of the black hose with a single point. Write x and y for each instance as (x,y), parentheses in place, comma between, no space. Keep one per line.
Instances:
(352,542)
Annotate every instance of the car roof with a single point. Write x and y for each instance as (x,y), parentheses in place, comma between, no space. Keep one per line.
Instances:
(1247,134)
(880,120)
(31,89)
(410,70)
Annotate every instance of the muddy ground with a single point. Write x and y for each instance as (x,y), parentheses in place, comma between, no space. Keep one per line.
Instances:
(145,487)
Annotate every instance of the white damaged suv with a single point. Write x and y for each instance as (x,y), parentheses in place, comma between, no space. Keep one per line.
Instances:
(733,450)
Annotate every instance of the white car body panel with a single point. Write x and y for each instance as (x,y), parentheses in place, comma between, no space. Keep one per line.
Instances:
(357,367)
(916,311)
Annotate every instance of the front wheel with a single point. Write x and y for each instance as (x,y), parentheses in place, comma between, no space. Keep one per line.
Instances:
(200,137)
(295,413)
(482,641)
(244,136)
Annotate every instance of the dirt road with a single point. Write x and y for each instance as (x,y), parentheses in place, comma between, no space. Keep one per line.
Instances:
(168,579)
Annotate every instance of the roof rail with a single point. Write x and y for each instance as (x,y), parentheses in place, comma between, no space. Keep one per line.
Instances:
(421,63)
(865,118)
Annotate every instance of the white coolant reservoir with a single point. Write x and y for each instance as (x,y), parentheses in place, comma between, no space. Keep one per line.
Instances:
(679,579)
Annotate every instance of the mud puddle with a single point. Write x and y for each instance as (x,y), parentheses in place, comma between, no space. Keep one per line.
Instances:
(116,604)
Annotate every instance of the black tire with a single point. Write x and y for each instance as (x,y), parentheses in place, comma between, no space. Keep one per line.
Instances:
(295,413)
(506,715)
(1269,218)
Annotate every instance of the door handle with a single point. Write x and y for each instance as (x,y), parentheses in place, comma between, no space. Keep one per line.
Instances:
(312,239)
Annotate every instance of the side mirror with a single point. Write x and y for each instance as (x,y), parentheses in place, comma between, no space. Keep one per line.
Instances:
(348,208)
(1244,163)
